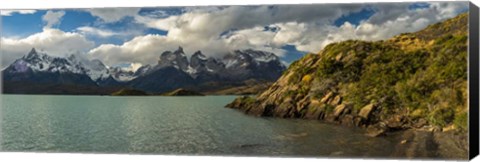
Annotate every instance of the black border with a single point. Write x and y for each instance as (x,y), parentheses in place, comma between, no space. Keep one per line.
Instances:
(473,80)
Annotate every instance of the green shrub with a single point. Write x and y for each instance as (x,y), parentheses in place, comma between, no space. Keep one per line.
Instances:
(441,117)
(461,120)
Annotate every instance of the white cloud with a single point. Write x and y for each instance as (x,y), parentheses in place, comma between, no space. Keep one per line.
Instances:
(110,15)
(309,28)
(389,20)
(132,67)
(162,24)
(52,18)
(11,12)
(145,49)
(86,30)
(52,41)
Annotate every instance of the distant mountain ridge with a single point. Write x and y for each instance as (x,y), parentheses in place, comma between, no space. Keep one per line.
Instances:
(172,71)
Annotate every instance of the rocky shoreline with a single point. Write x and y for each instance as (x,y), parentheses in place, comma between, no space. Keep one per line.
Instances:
(343,114)
(415,139)
(413,82)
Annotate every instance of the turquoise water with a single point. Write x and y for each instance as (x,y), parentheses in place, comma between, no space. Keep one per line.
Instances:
(168,125)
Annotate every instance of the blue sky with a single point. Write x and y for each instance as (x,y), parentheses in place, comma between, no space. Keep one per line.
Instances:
(289,31)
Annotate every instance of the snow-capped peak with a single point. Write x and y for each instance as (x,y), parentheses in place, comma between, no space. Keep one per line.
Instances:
(42,62)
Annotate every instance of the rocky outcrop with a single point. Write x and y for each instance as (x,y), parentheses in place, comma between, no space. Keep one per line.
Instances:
(381,86)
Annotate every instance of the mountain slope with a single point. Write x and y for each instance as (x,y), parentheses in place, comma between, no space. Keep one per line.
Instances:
(413,80)
(41,68)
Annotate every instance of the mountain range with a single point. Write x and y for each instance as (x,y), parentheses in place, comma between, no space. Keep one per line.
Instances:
(40,73)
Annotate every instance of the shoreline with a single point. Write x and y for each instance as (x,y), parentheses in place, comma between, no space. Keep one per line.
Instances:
(416,140)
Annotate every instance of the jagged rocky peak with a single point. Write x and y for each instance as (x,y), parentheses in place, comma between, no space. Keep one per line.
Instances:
(198,60)
(177,59)
(257,55)
(200,63)
(199,55)
(179,50)
(143,70)
(32,53)
(34,56)
(123,75)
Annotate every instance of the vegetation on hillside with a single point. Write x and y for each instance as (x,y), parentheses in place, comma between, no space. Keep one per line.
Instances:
(413,78)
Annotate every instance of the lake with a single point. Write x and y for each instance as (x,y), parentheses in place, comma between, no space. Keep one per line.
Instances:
(170,125)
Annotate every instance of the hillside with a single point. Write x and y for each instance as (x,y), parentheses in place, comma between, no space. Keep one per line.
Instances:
(182,92)
(129,92)
(413,80)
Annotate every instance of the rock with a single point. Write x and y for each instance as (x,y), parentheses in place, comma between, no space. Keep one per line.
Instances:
(339,57)
(337,100)
(338,110)
(302,104)
(267,109)
(237,103)
(396,122)
(420,123)
(357,121)
(347,120)
(432,128)
(448,128)
(284,109)
(403,142)
(376,130)
(330,118)
(326,97)
(315,110)
(366,111)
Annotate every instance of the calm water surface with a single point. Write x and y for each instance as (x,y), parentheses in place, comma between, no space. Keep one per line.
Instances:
(169,125)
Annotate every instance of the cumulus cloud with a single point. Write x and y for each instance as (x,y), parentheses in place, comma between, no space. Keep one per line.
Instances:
(52,18)
(217,30)
(201,29)
(211,22)
(132,67)
(110,15)
(52,41)
(87,30)
(142,49)
(11,12)
(389,20)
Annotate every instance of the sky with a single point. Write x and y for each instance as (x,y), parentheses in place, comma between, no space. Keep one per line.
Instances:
(137,36)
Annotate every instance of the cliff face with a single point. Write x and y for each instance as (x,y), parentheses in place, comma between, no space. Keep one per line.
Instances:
(413,80)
